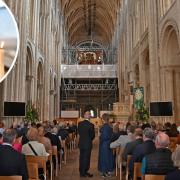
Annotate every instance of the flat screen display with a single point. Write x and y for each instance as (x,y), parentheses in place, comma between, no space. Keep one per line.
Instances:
(161,109)
(14,108)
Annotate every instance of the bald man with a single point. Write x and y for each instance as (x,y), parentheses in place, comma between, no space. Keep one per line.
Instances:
(86,136)
(160,161)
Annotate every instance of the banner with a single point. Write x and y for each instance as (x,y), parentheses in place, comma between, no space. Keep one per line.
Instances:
(138,97)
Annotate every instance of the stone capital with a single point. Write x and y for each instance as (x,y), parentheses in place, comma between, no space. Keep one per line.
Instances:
(52,92)
(29,77)
(39,86)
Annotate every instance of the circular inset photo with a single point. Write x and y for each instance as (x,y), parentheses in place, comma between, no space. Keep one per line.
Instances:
(9,40)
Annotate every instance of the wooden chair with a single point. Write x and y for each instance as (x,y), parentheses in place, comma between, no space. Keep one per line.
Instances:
(154,177)
(127,165)
(60,154)
(10,177)
(73,140)
(60,159)
(70,143)
(173,143)
(119,161)
(40,160)
(33,171)
(63,143)
(137,170)
(55,153)
(51,163)
(116,152)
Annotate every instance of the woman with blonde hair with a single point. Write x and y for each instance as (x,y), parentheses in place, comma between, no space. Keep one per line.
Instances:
(33,147)
(44,140)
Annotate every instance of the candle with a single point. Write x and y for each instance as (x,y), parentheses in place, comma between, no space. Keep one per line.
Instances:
(1,60)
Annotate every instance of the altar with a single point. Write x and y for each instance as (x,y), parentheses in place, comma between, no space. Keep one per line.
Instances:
(121,112)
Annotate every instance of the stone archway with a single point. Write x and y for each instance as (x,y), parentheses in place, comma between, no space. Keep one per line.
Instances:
(40,90)
(170,66)
(28,90)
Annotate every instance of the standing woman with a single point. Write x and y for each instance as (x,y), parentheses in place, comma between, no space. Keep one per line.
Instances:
(105,160)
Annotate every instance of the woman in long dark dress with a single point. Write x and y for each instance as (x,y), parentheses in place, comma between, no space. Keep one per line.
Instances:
(105,160)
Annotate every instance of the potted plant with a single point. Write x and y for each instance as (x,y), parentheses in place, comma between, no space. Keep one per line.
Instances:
(142,114)
(31,114)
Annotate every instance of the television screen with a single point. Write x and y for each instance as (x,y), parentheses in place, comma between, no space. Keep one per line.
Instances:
(161,109)
(14,108)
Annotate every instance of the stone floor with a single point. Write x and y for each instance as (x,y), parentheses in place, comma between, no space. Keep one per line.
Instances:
(70,170)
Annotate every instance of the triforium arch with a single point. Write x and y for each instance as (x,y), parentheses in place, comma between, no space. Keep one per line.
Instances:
(170,66)
(29,75)
(40,85)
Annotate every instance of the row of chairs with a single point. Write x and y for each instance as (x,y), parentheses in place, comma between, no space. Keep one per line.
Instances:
(137,168)
(35,162)
(173,143)
(137,174)
(10,177)
(119,161)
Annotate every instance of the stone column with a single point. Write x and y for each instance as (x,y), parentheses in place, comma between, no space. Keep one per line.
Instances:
(169,84)
(167,93)
(1,63)
(28,88)
(153,50)
(177,95)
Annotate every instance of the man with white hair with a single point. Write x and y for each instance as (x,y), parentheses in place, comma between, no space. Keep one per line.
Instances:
(160,161)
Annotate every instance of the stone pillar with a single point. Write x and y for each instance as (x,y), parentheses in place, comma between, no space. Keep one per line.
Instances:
(167,93)
(177,95)
(1,63)
(169,84)
(153,50)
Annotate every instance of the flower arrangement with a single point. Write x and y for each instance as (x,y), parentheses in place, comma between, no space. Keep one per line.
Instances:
(142,114)
(31,114)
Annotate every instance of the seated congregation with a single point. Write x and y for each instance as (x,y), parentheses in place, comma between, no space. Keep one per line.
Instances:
(128,151)
(142,150)
(35,150)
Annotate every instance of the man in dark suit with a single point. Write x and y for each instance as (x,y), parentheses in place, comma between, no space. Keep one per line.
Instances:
(86,136)
(12,162)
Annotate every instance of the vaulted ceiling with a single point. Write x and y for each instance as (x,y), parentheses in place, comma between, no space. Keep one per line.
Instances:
(90,19)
